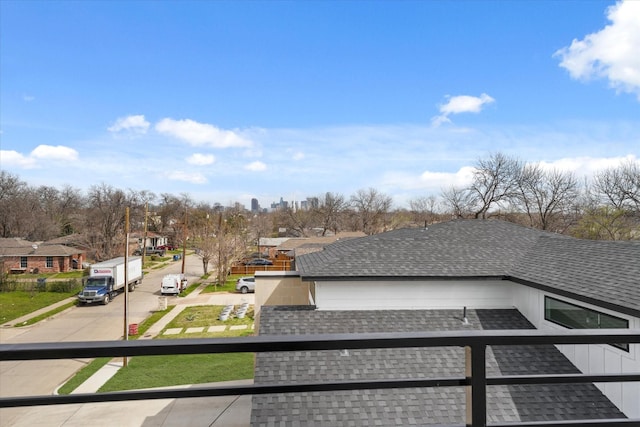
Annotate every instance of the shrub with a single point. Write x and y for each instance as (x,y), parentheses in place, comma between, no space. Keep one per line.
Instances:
(7,284)
(64,286)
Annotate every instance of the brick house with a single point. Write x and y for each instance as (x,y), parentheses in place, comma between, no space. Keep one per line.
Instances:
(22,256)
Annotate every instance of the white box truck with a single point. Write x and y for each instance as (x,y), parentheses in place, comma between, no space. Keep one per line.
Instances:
(106,280)
(173,284)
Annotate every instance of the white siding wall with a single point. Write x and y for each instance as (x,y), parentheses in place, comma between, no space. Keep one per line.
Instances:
(413,295)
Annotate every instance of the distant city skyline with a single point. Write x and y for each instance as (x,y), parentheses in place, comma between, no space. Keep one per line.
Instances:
(232,101)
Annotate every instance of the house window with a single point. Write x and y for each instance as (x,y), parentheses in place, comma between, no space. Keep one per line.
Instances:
(49,262)
(575,317)
(23,262)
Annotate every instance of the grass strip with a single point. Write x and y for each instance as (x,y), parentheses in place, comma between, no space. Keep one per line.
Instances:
(171,370)
(144,326)
(83,374)
(192,287)
(49,313)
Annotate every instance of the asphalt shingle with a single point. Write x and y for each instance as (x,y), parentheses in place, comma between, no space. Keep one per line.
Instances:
(416,406)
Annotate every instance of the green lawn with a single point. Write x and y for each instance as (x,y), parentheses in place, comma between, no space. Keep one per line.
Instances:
(19,303)
(170,370)
(229,285)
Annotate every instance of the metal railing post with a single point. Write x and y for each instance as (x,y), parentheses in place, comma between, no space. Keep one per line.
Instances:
(476,391)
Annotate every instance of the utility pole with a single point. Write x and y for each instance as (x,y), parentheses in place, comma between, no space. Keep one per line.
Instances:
(144,238)
(126,281)
(184,240)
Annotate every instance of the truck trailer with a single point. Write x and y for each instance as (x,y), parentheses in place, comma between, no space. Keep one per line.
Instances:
(106,280)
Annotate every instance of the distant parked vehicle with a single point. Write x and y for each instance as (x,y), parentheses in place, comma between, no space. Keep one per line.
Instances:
(259,261)
(173,284)
(166,247)
(246,284)
(150,250)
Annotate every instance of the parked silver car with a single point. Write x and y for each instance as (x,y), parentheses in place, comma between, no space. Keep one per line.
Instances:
(246,284)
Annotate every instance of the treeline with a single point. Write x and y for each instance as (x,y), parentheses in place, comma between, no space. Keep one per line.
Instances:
(605,206)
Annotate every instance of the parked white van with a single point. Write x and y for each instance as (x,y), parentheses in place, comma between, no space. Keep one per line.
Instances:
(173,284)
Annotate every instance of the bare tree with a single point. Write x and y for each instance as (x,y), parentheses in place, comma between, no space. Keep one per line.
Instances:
(71,203)
(494,181)
(329,212)
(545,195)
(619,187)
(140,201)
(170,209)
(424,209)
(297,221)
(105,219)
(228,243)
(11,209)
(260,225)
(371,207)
(459,201)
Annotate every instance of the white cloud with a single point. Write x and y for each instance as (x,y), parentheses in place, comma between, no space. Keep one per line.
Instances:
(58,152)
(461,104)
(194,178)
(132,124)
(201,159)
(13,158)
(201,134)
(586,166)
(256,166)
(41,152)
(612,53)
(28,98)
(298,155)
(429,181)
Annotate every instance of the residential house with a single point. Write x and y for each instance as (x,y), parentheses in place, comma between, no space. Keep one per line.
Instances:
(296,246)
(22,256)
(152,239)
(457,275)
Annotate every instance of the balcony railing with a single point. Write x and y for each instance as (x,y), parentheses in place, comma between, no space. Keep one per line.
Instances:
(475,379)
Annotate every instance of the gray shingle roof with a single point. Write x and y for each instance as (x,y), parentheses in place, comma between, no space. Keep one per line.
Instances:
(601,272)
(414,406)
(39,251)
(594,271)
(461,248)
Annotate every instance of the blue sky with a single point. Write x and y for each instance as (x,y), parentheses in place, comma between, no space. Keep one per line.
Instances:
(226,101)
